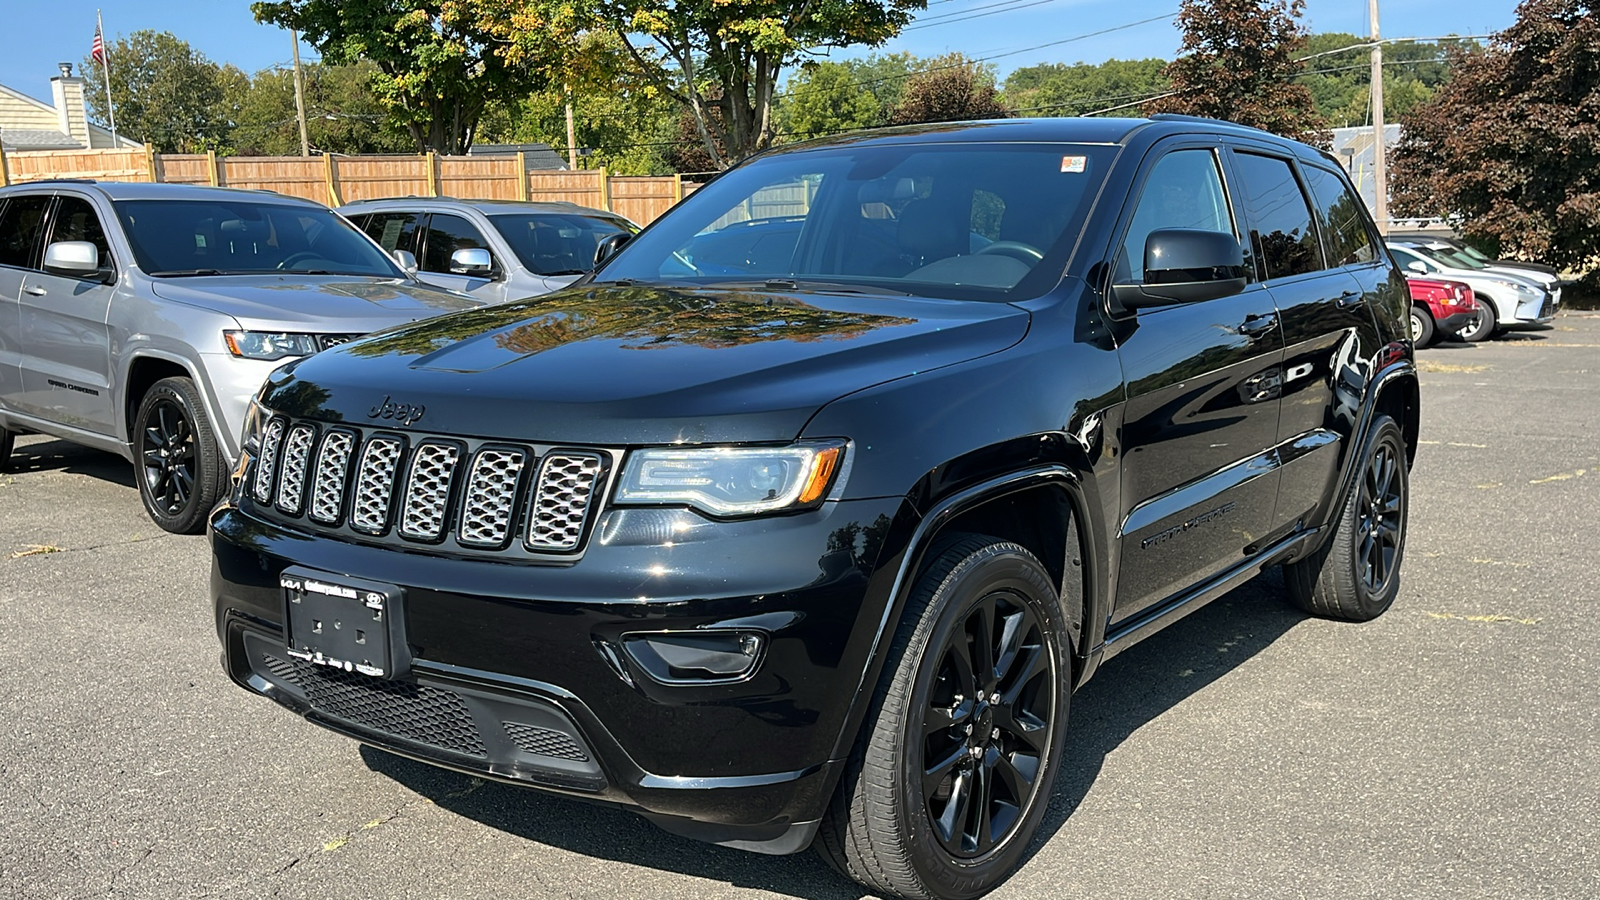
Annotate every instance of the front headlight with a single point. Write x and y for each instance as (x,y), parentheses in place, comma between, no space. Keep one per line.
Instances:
(269,345)
(256,417)
(732,481)
(1526,290)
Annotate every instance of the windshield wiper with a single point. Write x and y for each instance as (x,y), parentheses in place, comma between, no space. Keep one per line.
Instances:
(802,285)
(568,272)
(185,273)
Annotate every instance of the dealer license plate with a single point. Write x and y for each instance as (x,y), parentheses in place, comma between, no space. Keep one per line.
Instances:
(347,623)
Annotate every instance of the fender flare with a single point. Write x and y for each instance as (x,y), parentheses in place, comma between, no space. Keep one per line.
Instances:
(922,538)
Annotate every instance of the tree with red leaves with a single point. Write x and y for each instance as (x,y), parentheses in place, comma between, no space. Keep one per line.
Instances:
(1511,143)
(1238,62)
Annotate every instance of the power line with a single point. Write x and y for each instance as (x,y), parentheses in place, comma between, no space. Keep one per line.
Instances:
(952,18)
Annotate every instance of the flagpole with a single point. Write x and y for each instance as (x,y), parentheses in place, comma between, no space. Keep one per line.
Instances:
(105,63)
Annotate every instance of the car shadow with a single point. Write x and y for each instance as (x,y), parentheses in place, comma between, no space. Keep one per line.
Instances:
(51,455)
(1131,691)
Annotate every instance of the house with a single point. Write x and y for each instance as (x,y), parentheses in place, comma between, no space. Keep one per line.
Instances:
(29,124)
(539,157)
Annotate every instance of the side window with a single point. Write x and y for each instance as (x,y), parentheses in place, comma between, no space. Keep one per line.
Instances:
(446,235)
(1344,229)
(987,211)
(1280,218)
(1406,258)
(393,231)
(20,225)
(1184,190)
(76,220)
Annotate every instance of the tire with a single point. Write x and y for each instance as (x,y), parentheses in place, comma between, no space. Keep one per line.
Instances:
(905,829)
(178,465)
(1421,327)
(8,441)
(1482,328)
(1348,577)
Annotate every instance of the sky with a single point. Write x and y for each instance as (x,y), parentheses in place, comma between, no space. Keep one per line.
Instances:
(46,32)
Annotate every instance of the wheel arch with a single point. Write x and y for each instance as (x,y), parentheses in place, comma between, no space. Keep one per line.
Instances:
(144,370)
(988,507)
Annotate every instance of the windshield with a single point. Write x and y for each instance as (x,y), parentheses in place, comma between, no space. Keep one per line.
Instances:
(962,221)
(1475,253)
(240,237)
(557,243)
(1452,259)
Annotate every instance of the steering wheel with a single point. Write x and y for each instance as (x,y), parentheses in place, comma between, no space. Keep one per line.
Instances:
(1014,249)
(293,258)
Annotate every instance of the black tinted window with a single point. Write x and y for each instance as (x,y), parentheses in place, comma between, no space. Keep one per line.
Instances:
(557,243)
(446,235)
(20,222)
(242,236)
(1184,190)
(393,230)
(1280,219)
(1344,229)
(76,220)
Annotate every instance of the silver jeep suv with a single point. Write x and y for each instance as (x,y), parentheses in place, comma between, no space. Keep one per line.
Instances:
(141,318)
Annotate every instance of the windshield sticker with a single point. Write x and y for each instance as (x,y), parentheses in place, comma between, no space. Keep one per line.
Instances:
(391,234)
(1074,163)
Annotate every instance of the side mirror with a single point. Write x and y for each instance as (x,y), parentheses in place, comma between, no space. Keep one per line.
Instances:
(74,259)
(406,260)
(471,261)
(1417,265)
(608,247)
(1185,265)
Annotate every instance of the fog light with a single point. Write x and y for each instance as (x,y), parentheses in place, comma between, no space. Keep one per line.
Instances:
(696,657)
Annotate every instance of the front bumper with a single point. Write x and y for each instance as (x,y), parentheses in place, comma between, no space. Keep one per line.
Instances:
(1454,322)
(1534,311)
(519,673)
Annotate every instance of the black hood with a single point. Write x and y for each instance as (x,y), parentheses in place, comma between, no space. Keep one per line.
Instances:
(617,365)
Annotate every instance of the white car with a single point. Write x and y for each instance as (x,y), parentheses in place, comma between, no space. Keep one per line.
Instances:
(1505,300)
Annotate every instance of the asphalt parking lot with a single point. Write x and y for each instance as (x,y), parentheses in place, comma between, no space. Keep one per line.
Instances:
(1448,749)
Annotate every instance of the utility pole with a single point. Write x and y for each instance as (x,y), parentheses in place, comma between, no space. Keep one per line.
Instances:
(572,131)
(1380,165)
(300,95)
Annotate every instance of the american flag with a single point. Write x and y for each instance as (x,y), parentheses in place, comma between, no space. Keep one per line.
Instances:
(98,51)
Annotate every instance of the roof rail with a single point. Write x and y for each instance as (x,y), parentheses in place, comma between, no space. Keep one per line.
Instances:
(1202,120)
(60,181)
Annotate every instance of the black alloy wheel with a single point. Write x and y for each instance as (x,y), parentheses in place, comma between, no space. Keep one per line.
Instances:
(180,469)
(1355,574)
(8,440)
(953,769)
(986,725)
(1380,523)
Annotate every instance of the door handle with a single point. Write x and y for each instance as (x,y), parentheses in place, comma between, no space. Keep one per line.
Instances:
(1255,326)
(1349,300)
(35,290)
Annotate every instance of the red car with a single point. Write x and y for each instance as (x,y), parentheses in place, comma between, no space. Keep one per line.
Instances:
(1439,306)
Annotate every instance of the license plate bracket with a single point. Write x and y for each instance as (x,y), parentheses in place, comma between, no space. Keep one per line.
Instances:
(352,624)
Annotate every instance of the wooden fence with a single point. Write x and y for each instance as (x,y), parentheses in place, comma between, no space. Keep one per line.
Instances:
(337,180)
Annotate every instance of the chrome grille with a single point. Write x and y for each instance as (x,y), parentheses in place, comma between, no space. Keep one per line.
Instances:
(296,453)
(566,485)
(268,466)
(382,486)
(333,467)
(491,492)
(380,460)
(428,490)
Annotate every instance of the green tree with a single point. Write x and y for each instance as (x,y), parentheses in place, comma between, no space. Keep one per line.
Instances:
(1238,62)
(167,94)
(952,88)
(439,62)
(1058,89)
(342,113)
(1511,143)
(714,55)
(824,98)
(1340,82)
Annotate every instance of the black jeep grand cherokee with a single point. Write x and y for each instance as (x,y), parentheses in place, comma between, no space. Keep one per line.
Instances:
(805,516)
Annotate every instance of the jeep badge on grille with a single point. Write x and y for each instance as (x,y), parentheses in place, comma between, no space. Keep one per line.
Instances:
(404,413)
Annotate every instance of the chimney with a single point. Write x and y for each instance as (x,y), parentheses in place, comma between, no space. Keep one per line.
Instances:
(71,112)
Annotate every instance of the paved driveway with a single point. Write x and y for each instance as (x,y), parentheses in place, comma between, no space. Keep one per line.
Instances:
(1448,749)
